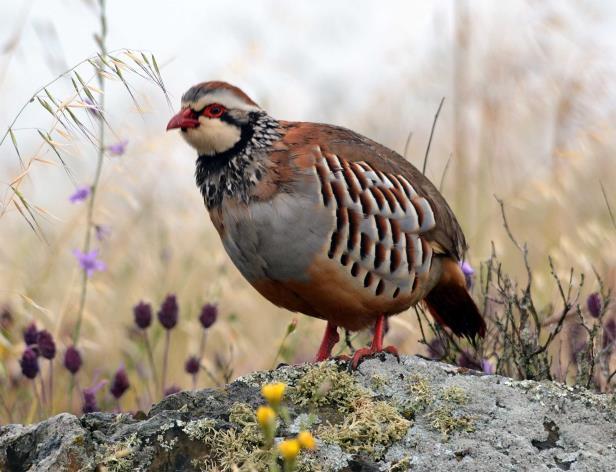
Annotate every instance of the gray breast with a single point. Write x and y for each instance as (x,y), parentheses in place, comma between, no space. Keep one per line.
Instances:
(277,239)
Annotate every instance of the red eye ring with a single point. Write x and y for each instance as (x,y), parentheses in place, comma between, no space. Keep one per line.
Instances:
(214,110)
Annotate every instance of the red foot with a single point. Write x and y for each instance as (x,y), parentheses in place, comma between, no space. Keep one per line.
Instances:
(365,353)
(330,338)
(376,347)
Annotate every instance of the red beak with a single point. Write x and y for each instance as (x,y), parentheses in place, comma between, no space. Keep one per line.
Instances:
(184,119)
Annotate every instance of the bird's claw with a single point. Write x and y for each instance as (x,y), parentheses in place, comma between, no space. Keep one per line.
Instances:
(365,353)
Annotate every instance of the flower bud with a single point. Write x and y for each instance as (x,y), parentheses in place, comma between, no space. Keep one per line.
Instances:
(29,363)
(143,315)
(208,315)
(168,313)
(72,360)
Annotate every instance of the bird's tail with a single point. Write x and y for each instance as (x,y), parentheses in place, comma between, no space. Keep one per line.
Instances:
(452,306)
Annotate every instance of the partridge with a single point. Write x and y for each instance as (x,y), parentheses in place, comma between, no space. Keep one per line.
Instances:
(323,221)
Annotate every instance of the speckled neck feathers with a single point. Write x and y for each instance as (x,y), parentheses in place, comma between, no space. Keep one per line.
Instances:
(236,171)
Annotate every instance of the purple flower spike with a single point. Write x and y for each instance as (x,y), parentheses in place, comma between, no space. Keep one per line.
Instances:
(168,313)
(192,365)
(469,274)
(467,268)
(436,349)
(208,316)
(465,359)
(118,148)
(487,367)
(120,383)
(72,360)
(171,390)
(89,261)
(143,315)
(89,398)
(593,303)
(29,363)
(80,195)
(46,344)
(31,334)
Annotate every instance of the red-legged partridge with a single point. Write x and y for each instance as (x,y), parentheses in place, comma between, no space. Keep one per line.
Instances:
(324,221)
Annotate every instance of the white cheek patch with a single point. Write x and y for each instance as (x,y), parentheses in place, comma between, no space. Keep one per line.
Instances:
(212,136)
(223,97)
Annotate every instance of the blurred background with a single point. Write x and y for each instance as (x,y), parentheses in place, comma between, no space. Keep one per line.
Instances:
(528,116)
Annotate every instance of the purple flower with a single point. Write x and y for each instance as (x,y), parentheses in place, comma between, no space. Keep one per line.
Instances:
(168,313)
(487,367)
(72,360)
(46,344)
(593,303)
(93,109)
(208,316)
(436,349)
(143,315)
(31,334)
(465,359)
(192,365)
(469,274)
(89,261)
(80,195)
(171,390)
(102,232)
(29,363)
(120,383)
(89,397)
(118,148)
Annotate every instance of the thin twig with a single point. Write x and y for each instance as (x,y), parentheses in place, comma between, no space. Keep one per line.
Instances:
(407,144)
(438,111)
(440,185)
(607,203)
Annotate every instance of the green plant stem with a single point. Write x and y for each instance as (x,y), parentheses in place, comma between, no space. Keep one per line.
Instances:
(165,361)
(148,348)
(284,339)
(201,353)
(51,386)
(38,399)
(44,396)
(97,174)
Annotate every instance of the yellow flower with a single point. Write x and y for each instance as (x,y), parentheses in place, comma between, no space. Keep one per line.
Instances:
(273,393)
(306,440)
(289,449)
(265,416)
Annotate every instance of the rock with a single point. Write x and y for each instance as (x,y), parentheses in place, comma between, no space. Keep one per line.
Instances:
(413,415)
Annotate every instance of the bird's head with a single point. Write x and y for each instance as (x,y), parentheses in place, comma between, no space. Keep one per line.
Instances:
(214,117)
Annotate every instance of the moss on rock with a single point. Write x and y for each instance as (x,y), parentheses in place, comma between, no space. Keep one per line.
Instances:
(371,427)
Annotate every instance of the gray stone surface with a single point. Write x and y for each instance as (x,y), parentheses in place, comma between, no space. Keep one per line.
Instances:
(444,418)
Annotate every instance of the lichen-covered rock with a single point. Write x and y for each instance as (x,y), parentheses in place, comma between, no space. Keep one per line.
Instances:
(412,415)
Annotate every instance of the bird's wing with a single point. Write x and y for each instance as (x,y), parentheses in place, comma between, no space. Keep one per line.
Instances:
(388,172)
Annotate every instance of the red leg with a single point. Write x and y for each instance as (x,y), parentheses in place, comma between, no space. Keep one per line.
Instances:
(330,338)
(376,346)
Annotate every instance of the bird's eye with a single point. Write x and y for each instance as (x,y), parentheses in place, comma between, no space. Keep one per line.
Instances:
(214,110)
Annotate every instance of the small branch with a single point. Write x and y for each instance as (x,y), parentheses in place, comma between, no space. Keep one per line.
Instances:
(607,203)
(440,185)
(438,111)
(407,144)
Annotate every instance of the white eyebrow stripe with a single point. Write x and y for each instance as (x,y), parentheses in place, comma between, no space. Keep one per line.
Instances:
(223,97)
